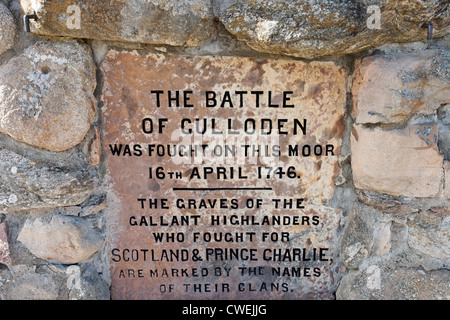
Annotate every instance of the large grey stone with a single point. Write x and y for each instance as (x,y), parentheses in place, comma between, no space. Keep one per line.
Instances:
(28,183)
(431,240)
(64,239)
(317,28)
(174,22)
(46,95)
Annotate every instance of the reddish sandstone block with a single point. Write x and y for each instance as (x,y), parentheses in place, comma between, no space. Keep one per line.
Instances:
(403,162)
(394,88)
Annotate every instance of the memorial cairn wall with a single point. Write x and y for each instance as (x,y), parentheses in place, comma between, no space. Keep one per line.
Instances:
(214,150)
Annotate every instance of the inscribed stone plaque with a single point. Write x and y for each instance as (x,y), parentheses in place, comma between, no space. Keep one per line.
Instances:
(220,171)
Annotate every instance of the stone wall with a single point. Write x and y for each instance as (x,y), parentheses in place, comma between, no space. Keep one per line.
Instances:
(392,185)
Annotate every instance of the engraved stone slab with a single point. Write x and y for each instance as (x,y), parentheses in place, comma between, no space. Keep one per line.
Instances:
(219,176)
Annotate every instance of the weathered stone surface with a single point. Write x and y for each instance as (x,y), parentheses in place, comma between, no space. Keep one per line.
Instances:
(26,283)
(318,91)
(317,28)
(84,283)
(27,183)
(95,148)
(393,88)
(366,233)
(427,238)
(4,246)
(93,209)
(46,95)
(64,239)
(52,282)
(397,162)
(174,22)
(381,283)
(7,29)
(431,240)
(386,204)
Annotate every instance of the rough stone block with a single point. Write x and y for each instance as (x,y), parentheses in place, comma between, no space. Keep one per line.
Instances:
(381,283)
(95,148)
(26,283)
(176,23)
(46,95)
(393,88)
(4,246)
(64,239)
(27,183)
(403,162)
